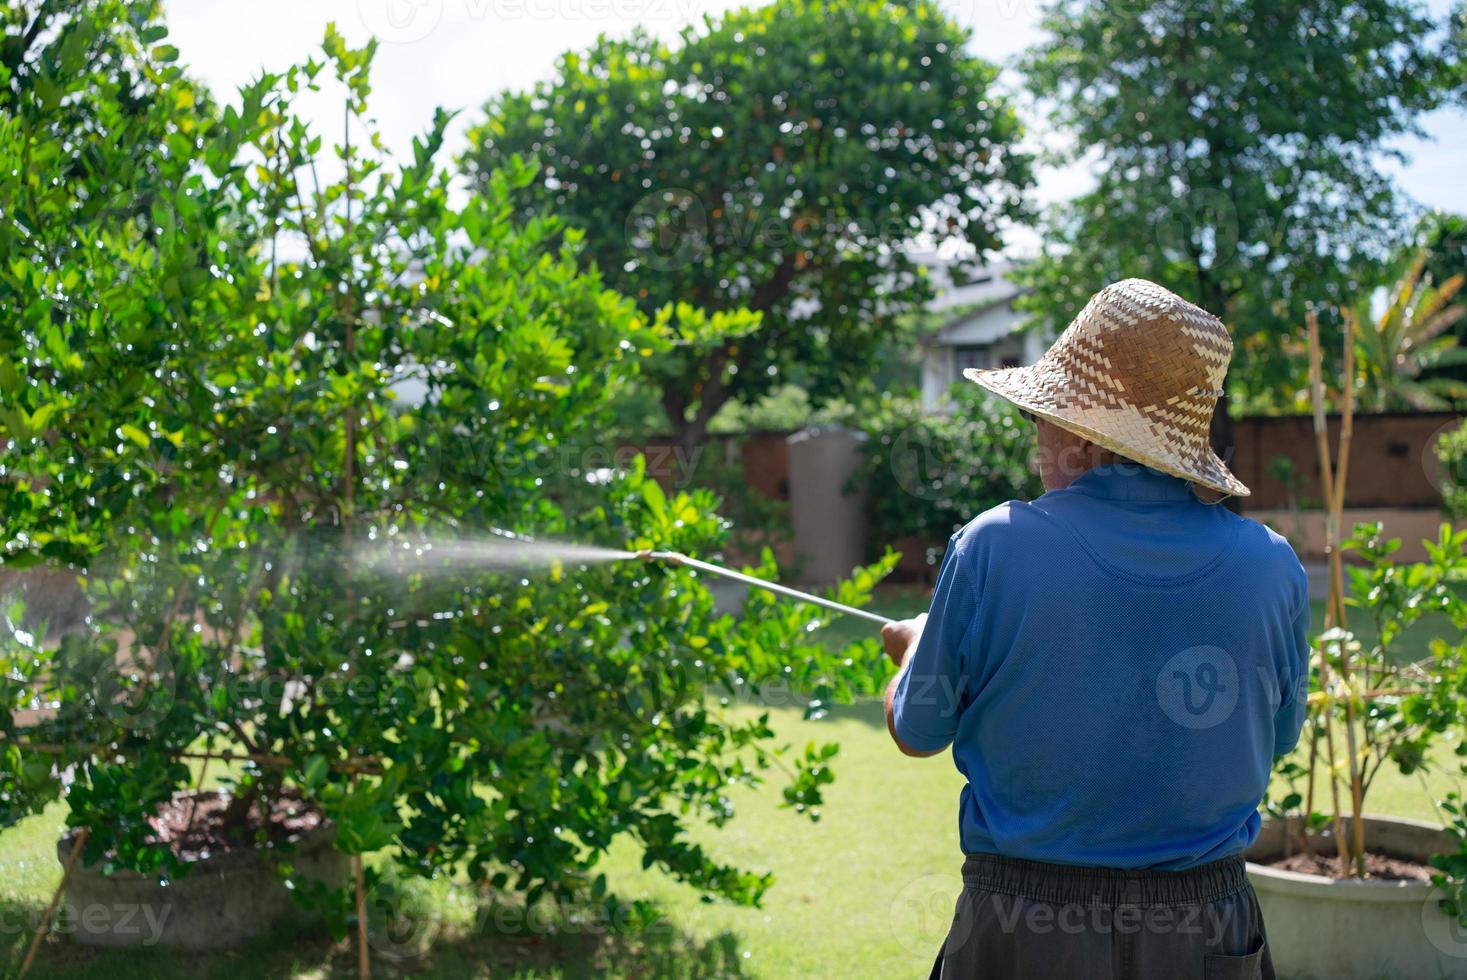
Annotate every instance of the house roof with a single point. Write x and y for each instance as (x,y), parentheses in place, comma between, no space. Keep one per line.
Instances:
(980,300)
(976,327)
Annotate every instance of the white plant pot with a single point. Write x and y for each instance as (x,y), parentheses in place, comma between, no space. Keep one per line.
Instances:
(1329,929)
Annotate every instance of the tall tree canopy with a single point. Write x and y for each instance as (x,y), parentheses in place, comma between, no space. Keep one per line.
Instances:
(1443,236)
(772,161)
(1237,145)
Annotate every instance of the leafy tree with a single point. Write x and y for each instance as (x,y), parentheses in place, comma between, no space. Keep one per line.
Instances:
(1410,338)
(206,413)
(774,161)
(1237,146)
(928,475)
(1443,236)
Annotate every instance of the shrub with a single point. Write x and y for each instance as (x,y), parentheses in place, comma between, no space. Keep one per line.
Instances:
(1451,454)
(927,474)
(239,404)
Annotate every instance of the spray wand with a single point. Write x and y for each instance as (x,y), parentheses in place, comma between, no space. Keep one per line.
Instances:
(526,545)
(673,558)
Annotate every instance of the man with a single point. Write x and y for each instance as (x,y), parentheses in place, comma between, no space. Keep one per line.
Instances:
(1115,665)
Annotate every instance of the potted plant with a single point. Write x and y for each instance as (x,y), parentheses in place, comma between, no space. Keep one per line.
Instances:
(1351,895)
(272,425)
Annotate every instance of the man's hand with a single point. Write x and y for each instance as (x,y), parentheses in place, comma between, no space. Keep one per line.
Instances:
(900,637)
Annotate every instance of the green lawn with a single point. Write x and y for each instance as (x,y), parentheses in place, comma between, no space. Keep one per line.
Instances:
(866,892)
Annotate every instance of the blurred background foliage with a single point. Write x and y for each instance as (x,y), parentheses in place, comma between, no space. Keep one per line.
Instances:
(774,161)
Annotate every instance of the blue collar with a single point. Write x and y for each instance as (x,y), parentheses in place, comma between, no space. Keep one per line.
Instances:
(1131,481)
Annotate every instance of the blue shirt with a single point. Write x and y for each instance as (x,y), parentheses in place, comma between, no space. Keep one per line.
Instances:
(1115,666)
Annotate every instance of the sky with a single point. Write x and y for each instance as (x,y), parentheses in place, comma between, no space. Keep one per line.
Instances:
(456,53)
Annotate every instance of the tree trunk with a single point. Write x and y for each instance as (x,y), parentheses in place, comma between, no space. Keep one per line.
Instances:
(688,437)
(712,394)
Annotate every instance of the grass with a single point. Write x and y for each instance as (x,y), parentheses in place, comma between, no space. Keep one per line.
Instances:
(865,892)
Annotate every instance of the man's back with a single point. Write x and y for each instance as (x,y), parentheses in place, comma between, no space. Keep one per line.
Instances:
(1116,664)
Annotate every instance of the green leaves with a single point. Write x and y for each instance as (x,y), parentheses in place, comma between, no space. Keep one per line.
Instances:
(1452,879)
(803,794)
(134,435)
(1451,456)
(227,388)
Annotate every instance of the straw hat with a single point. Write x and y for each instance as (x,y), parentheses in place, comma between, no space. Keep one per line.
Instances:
(1138,373)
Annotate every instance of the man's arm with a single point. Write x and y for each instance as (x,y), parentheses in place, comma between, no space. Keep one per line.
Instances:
(900,640)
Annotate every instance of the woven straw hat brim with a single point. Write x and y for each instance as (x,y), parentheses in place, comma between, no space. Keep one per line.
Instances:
(1031,390)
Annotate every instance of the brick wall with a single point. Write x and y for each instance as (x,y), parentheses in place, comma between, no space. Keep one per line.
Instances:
(761,457)
(1392,472)
(1391,463)
(1391,460)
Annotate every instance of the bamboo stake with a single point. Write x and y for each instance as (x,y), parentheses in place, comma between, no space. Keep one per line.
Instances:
(45,924)
(1326,481)
(1347,428)
(1347,425)
(364,960)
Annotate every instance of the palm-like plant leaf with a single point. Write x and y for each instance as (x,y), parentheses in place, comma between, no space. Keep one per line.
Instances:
(1409,336)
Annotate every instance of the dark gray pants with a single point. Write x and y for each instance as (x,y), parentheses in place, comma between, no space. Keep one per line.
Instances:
(1023,920)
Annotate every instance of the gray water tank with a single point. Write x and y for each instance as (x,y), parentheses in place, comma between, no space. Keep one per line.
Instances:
(829,524)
